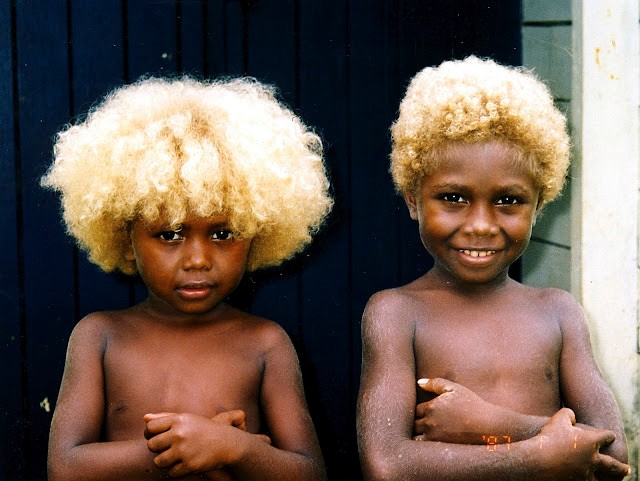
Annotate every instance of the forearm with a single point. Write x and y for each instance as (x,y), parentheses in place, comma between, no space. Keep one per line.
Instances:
(103,461)
(504,427)
(259,461)
(427,460)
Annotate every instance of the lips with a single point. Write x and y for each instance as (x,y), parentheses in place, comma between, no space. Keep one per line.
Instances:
(195,290)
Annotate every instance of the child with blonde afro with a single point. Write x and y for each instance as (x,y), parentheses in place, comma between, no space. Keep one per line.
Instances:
(468,374)
(188,184)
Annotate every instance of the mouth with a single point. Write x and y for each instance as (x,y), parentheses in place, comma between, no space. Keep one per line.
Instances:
(477,253)
(195,290)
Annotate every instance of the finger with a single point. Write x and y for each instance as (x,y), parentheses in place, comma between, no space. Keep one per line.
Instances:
(563,415)
(159,425)
(436,385)
(610,466)
(178,470)
(165,459)
(603,437)
(236,418)
(150,416)
(159,443)
(420,427)
(422,409)
(264,438)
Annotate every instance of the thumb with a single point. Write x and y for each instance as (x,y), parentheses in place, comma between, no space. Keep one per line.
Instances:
(436,385)
(235,418)
(152,416)
(263,438)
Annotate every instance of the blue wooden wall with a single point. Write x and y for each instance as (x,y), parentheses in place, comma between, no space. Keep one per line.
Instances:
(342,64)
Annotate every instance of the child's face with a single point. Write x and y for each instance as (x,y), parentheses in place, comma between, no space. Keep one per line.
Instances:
(190,270)
(475,211)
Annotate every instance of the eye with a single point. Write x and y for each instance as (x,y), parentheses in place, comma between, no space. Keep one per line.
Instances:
(453,198)
(222,234)
(170,235)
(509,200)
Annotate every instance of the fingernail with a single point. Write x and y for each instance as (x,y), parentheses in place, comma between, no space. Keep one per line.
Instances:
(423,381)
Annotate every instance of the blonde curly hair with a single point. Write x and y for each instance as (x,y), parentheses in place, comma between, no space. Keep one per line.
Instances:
(173,147)
(477,100)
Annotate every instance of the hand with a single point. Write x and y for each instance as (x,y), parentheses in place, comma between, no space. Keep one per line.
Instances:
(573,453)
(192,444)
(237,418)
(456,415)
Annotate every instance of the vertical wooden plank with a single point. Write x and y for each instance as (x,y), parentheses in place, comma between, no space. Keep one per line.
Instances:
(48,255)
(373,99)
(272,45)
(12,464)
(473,19)
(97,67)
(152,38)
(271,57)
(326,308)
(215,37)
(191,22)
(235,42)
(424,34)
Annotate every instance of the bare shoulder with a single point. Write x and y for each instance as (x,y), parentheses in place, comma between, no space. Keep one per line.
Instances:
(557,300)
(97,326)
(395,301)
(390,317)
(256,329)
(556,303)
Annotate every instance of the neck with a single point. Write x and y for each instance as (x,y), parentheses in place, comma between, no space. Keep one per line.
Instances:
(443,279)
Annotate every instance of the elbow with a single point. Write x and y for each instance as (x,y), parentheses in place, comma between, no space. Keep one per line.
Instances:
(58,469)
(55,472)
(380,468)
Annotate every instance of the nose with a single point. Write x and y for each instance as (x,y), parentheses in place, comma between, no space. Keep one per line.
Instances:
(481,221)
(196,254)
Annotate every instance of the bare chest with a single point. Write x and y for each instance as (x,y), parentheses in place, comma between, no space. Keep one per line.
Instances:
(177,376)
(512,362)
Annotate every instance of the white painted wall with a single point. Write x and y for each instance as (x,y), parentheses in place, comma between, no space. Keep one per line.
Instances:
(605,197)
(587,241)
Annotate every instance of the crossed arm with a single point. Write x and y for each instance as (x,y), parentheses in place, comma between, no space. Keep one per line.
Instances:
(547,449)
(221,448)
(182,445)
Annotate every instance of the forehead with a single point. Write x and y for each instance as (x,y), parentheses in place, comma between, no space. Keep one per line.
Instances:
(189,219)
(484,163)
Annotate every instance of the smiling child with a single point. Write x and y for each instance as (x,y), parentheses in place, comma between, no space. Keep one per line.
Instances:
(508,388)
(187,184)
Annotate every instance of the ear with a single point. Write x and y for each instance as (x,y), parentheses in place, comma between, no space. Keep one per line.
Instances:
(537,211)
(129,254)
(410,200)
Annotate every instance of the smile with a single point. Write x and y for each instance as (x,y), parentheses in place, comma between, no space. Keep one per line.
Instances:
(477,253)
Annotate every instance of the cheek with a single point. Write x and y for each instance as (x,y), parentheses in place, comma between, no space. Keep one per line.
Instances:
(520,229)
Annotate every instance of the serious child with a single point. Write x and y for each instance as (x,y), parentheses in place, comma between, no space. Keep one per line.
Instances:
(508,385)
(187,184)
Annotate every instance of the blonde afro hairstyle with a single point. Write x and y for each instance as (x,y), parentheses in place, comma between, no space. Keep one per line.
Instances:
(477,100)
(173,147)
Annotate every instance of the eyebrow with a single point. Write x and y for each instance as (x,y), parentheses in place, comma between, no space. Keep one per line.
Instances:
(454,186)
(515,187)
(449,186)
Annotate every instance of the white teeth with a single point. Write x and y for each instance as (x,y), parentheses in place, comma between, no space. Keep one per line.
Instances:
(478,253)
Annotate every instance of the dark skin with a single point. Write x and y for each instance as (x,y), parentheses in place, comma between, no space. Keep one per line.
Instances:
(510,367)
(182,385)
